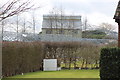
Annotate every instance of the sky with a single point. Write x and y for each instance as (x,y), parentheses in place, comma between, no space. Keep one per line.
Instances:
(96,11)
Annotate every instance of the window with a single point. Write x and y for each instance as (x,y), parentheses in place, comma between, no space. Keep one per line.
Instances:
(48,31)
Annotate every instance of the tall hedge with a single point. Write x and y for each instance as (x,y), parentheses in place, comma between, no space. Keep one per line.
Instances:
(21,57)
(110,63)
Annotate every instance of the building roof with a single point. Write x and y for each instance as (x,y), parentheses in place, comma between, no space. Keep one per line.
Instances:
(117,13)
(64,21)
(66,17)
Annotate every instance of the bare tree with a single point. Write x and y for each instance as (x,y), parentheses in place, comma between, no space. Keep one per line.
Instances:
(34,24)
(106,27)
(34,21)
(2,30)
(17,26)
(55,17)
(85,23)
(61,20)
(56,20)
(14,7)
(10,8)
(17,23)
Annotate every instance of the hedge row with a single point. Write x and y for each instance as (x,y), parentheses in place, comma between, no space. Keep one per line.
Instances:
(20,57)
(23,57)
(110,63)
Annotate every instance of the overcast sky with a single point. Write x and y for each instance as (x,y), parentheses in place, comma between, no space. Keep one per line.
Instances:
(97,11)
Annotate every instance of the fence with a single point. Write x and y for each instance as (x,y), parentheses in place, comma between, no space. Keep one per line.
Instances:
(29,37)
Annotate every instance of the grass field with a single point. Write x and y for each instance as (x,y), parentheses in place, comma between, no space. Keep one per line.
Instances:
(61,74)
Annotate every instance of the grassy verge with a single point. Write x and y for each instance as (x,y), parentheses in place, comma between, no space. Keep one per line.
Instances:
(61,74)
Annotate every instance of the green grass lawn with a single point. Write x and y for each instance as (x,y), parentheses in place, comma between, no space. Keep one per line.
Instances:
(61,74)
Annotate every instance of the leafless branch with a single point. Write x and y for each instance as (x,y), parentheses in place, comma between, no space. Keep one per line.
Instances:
(15,7)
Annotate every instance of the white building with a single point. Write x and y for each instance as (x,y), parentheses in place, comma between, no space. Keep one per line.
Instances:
(62,25)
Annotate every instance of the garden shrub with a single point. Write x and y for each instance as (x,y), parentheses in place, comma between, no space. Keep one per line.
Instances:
(110,63)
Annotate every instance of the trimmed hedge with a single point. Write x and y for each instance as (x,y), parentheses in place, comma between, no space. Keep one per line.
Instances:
(21,57)
(110,63)
(24,57)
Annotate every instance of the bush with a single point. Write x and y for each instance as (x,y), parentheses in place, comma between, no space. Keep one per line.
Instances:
(21,57)
(110,63)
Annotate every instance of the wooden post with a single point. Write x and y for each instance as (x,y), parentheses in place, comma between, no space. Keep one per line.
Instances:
(119,34)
